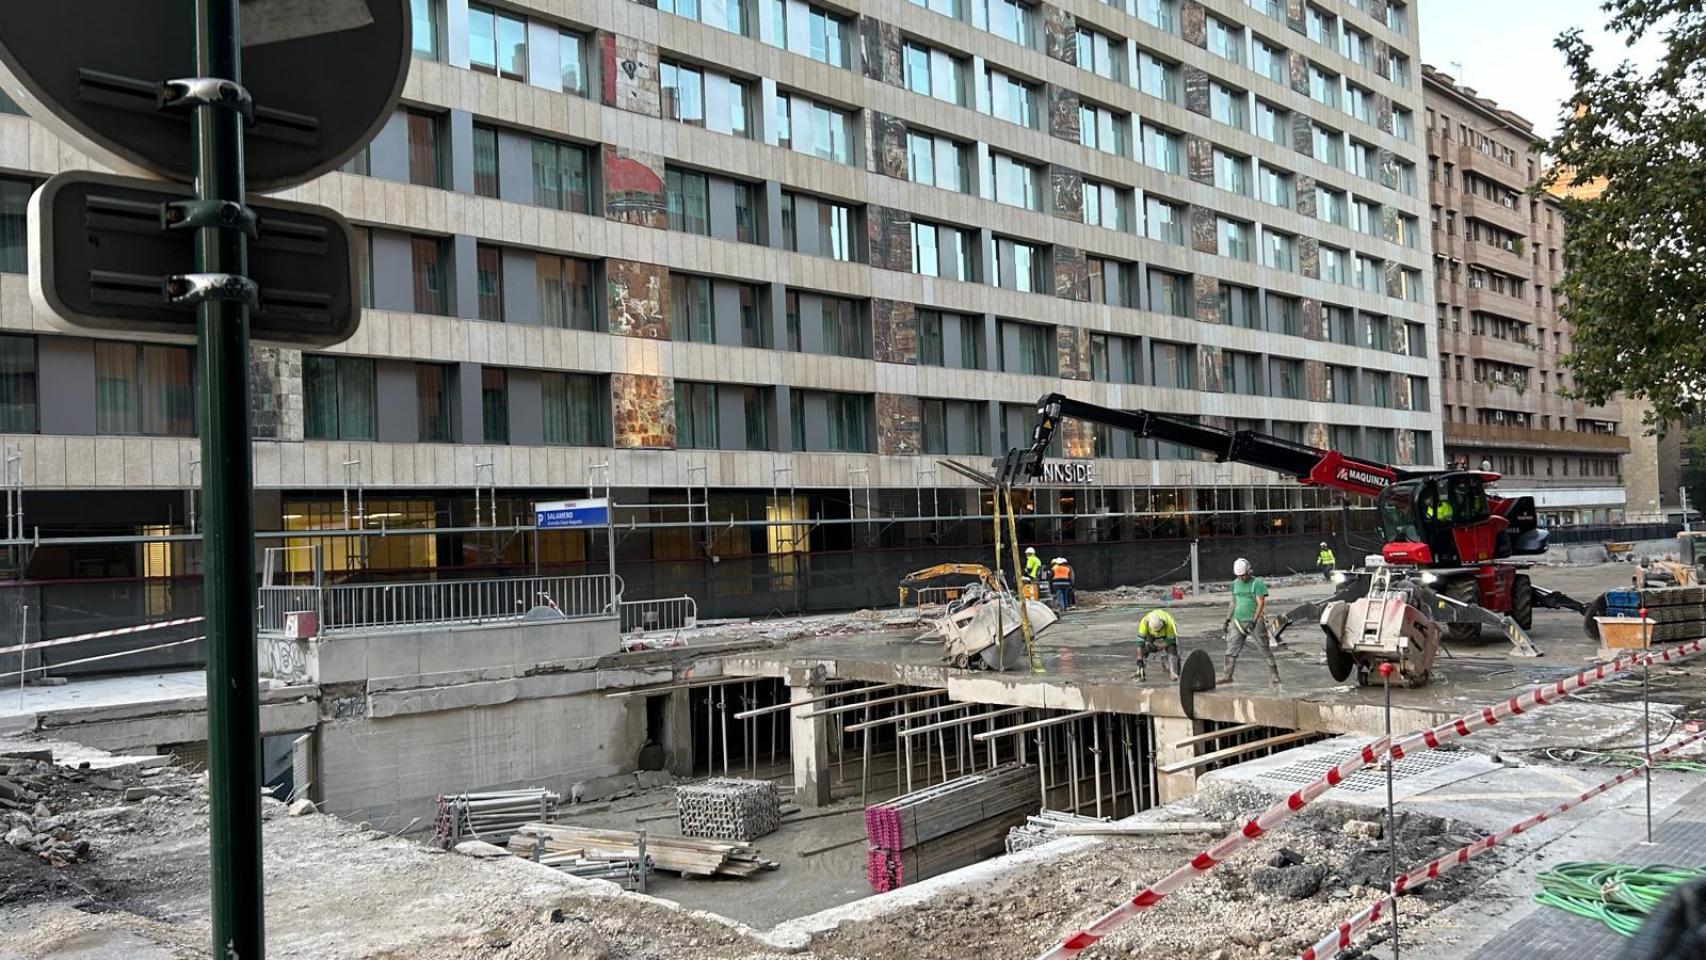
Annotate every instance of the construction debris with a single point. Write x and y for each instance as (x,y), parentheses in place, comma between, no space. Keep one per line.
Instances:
(725,808)
(946,826)
(491,816)
(982,630)
(573,849)
(1040,828)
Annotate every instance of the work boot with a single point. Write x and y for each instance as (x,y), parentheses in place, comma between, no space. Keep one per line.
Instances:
(1229,663)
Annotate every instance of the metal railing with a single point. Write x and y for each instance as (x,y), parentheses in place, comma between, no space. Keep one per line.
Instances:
(395,606)
(668,613)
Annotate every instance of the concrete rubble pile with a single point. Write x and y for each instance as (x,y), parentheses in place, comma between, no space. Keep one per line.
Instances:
(492,815)
(945,826)
(725,808)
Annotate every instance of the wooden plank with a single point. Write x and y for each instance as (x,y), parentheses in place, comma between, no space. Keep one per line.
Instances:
(1216,734)
(1033,725)
(1237,751)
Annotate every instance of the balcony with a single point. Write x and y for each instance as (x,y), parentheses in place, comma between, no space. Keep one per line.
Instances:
(1498,258)
(1490,211)
(1488,300)
(1488,436)
(1469,158)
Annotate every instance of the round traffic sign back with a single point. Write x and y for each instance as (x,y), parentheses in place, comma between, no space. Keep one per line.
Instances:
(323,78)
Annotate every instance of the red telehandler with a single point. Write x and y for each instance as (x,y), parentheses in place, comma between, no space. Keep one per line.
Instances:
(1455,542)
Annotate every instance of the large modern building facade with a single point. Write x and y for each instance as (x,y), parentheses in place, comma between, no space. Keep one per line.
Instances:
(1498,252)
(752,268)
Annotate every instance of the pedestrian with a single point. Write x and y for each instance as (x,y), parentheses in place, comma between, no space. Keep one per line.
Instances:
(1246,618)
(1325,561)
(1060,581)
(1157,632)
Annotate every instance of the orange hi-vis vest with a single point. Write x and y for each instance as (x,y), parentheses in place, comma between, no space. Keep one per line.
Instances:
(1062,572)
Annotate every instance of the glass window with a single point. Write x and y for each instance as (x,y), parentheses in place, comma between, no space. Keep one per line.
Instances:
(1279,250)
(1162,14)
(485,160)
(1333,264)
(434,392)
(14,224)
(1285,315)
(572,63)
(1320,26)
(1010,19)
(971,343)
(494,405)
(1100,54)
(926,256)
(562,177)
(1331,205)
(1011,99)
(488,275)
(1232,172)
(1158,78)
(826,36)
(339,398)
(426,160)
(691,311)
(1238,307)
(1174,365)
(1341,325)
(18,397)
(497,43)
(144,390)
(1102,129)
(1275,186)
(565,293)
(1225,40)
(1014,182)
(695,415)
(1327,145)
(573,409)
(429,263)
(935,426)
(1273,124)
(683,93)
(1170,293)
(755,404)
(930,338)
(424,31)
(1234,238)
(689,202)
(1271,61)
(1323,86)
(846,330)
(1285,378)
(1018,265)
(1164,220)
(1226,105)
(1036,350)
(1163,149)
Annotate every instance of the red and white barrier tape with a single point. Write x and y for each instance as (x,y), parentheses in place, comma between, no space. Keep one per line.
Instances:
(104,656)
(99,634)
(1208,859)
(1414,743)
(1334,943)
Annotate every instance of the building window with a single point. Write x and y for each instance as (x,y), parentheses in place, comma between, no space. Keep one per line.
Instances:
(425,29)
(689,202)
(695,416)
(429,263)
(562,176)
(935,426)
(1233,238)
(1330,205)
(1323,86)
(1341,385)
(727,15)
(364,264)
(1226,105)
(1275,186)
(1019,265)
(1320,26)
(812,128)
(1273,124)
(1279,250)
(1106,205)
(971,343)
(497,43)
(1285,315)
(826,37)
(572,63)
(1164,220)
(573,410)
(1285,378)
(1158,78)
(488,276)
(1163,149)
(1035,349)
(1170,293)
(930,339)
(18,397)
(1341,325)
(565,293)
(494,405)
(1225,40)
(683,93)
(1161,14)
(933,73)
(1232,172)
(1238,307)
(833,222)
(1368,273)
(1271,61)
(849,422)
(339,398)
(1103,129)
(1333,264)
(1174,365)
(937,161)
(434,396)
(1014,182)
(1327,145)
(1110,282)
(1101,54)
(846,328)
(1113,359)
(14,224)
(1010,20)
(426,157)
(485,160)
(1011,99)
(144,390)
(692,315)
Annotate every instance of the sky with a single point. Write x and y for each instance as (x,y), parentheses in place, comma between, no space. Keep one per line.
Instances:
(1503,48)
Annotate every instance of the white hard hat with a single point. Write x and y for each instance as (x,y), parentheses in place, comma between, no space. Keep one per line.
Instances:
(1155,620)
(1031,550)
(1323,543)
(1058,560)
(1240,567)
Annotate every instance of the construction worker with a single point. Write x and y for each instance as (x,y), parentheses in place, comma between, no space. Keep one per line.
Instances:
(1326,561)
(1033,564)
(1246,619)
(1158,633)
(1060,582)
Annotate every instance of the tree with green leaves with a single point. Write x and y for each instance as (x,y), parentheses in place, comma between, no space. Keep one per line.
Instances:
(1634,286)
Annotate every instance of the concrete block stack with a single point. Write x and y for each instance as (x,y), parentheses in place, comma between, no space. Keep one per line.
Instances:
(725,808)
(946,826)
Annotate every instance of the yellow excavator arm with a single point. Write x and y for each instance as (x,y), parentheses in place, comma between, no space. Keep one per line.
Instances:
(911,581)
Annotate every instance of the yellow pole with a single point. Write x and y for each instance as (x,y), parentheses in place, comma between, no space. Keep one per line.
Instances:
(1024,615)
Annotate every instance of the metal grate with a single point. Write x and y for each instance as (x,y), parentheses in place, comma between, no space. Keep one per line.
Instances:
(1305,772)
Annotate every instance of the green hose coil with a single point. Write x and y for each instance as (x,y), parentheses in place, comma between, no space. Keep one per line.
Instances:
(1619,895)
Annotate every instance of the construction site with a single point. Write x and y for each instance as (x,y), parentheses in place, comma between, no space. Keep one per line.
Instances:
(996,764)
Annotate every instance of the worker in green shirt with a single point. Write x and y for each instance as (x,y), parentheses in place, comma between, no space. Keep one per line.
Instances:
(1033,564)
(1326,561)
(1245,619)
(1158,633)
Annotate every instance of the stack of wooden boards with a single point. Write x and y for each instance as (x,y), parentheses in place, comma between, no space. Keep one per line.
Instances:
(491,816)
(577,849)
(946,826)
(725,808)
(1678,613)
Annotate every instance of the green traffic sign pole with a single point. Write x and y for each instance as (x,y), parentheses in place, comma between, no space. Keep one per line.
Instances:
(222,336)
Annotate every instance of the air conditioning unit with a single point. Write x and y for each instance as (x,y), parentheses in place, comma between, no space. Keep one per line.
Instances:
(301,625)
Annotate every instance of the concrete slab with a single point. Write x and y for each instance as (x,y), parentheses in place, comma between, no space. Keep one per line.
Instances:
(19,709)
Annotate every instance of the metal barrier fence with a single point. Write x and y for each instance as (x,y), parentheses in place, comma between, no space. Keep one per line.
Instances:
(401,605)
(669,613)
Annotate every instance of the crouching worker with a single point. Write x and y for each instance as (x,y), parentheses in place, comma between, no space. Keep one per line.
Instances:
(1158,633)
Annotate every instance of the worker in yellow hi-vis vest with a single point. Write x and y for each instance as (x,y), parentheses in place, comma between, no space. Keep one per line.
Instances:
(1157,632)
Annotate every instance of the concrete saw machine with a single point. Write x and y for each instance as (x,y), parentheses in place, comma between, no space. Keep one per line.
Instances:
(1388,624)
